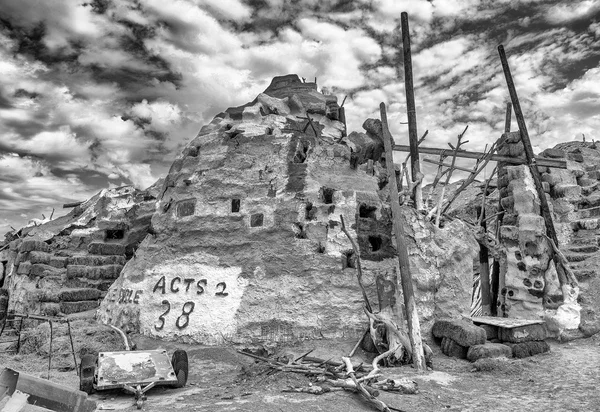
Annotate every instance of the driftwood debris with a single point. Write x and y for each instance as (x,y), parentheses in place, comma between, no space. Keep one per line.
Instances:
(331,376)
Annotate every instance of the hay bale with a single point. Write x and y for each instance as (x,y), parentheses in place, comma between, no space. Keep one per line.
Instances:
(24,268)
(21,257)
(50,309)
(29,245)
(97,248)
(453,349)
(489,350)
(460,331)
(73,295)
(523,333)
(105,272)
(39,269)
(58,262)
(530,348)
(39,257)
(43,296)
(77,271)
(81,306)
(97,260)
(491,332)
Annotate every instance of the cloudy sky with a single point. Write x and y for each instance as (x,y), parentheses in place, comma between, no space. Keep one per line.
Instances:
(106,92)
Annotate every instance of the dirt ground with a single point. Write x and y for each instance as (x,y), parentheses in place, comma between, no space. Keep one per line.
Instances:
(565,379)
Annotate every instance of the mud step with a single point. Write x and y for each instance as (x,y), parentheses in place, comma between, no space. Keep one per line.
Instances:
(590,248)
(584,274)
(588,224)
(576,257)
(588,212)
(81,306)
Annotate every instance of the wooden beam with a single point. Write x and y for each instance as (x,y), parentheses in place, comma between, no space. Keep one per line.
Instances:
(435,162)
(540,161)
(411,112)
(495,284)
(531,159)
(414,329)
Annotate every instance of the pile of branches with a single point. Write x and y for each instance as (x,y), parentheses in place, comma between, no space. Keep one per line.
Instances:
(331,376)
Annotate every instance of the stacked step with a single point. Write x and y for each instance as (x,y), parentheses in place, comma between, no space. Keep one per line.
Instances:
(83,279)
(475,340)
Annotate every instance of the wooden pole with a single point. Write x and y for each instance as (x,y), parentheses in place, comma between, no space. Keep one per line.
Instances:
(414,329)
(559,164)
(495,286)
(484,270)
(411,113)
(531,160)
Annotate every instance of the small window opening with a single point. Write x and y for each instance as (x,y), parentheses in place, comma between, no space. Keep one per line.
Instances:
(367,211)
(511,293)
(235,205)
(301,152)
(310,211)
(331,209)
(4,270)
(328,195)
(320,248)
(521,266)
(256,220)
(518,255)
(538,284)
(527,283)
(186,208)
(375,242)
(348,259)
(300,231)
(115,234)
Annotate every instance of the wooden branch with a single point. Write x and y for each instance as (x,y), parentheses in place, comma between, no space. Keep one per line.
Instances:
(531,159)
(358,263)
(471,178)
(485,188)
(411,112)
(365,394)
(70,205)
(541,161)
(435,162)
(455,149)
(414,329)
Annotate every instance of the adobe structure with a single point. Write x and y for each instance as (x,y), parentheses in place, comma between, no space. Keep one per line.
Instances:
(66,265)
(248,245)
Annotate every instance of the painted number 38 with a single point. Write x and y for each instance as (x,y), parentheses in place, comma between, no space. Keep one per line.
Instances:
(183,320)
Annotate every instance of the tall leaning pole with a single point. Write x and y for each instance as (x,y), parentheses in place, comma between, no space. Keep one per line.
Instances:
(415,167)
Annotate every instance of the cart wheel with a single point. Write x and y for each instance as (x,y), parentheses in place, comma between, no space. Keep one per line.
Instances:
(180,367)
(87,370)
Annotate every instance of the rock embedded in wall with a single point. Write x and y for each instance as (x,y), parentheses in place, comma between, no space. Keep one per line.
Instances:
(247,245)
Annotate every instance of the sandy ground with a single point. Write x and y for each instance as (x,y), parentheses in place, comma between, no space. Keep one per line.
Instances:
(565,379)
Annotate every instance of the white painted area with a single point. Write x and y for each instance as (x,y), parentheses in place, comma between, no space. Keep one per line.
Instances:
(215,295)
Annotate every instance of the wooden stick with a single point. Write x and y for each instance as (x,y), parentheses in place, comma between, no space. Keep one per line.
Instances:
(471,178)
(358,263)
(411,112)
(495,286)
(463,169)
(368,397)
(414,329)
(531,160)
(541,161)
(455,149)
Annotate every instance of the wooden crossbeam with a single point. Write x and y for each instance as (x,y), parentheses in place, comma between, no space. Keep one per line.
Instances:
(541,161)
